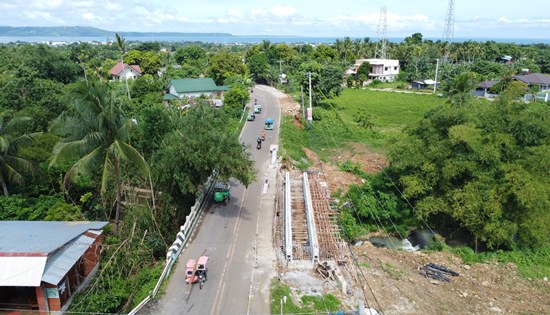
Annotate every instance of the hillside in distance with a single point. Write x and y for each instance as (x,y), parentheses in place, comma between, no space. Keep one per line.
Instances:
(87,31)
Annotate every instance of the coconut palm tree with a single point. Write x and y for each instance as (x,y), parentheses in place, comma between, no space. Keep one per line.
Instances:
(122,46)
(96,133)
(459,91)
(12,166)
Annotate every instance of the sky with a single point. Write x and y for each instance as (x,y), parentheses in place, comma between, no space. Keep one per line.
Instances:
(335,18)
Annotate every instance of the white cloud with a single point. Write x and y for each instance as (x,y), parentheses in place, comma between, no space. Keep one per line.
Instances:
(43,17)
(46,4)
(234,13)
(85,4)
(111,6)
(89,16)
(282,11)
(277,17)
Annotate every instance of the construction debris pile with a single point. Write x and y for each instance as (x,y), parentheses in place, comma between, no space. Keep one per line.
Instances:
(325,270)
(437,272)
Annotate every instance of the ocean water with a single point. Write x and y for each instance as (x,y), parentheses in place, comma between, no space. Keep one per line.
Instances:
(245,39)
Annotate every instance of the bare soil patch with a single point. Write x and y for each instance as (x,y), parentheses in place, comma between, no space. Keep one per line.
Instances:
(393,276)
(289,106)
(338,180)
(479,289)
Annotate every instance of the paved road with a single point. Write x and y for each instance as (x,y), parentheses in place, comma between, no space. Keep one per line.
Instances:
(237,238)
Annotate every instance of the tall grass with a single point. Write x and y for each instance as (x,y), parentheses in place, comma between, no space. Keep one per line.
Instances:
(335,124)
(531,263)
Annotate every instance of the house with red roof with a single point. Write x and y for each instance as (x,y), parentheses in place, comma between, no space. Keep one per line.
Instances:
(124,71)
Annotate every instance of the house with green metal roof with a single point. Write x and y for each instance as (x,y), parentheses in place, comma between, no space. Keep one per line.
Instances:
(191,88)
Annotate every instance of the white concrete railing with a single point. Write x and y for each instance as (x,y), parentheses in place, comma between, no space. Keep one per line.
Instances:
(182,238)
(312,231)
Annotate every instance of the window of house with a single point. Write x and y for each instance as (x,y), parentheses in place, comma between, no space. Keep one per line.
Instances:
(395,68)
(385,68)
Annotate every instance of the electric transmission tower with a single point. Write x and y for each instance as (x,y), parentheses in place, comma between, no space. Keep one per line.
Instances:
(449,29)
(382,28)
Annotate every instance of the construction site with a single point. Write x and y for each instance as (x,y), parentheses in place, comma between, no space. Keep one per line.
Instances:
(388,281)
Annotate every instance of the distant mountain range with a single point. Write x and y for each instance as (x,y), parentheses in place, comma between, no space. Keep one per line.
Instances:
(86,31)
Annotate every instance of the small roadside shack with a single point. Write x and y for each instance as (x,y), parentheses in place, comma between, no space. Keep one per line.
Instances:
(44,263)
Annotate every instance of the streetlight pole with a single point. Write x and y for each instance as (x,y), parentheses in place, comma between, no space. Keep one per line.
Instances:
(436,71)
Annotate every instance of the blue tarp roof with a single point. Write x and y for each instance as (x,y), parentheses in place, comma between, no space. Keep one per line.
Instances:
(64,259)
(41,236)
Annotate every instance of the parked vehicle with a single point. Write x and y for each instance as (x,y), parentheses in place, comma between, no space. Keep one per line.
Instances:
(257,109)
(269,124)
(196,271)
(222,192)
(189,271)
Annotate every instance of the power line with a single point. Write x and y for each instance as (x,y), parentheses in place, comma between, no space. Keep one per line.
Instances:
(358,269)
(329,129)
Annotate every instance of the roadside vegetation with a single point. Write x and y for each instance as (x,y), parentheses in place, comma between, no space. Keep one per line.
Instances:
(281,295)
(76,146)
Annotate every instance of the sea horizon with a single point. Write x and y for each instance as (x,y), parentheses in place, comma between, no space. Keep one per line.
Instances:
(246,39)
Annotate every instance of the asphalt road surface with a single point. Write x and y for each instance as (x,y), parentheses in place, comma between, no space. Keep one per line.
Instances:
(236,238)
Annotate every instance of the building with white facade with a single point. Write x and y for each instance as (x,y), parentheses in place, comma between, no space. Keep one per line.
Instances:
(121,72)
(385,70)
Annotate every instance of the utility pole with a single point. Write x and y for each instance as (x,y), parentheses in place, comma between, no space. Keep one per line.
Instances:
(310,111)
(280,68)
(303,105)
(436,70)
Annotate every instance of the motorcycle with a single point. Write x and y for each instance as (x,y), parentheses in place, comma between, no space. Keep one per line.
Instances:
(259,144)
(201,281)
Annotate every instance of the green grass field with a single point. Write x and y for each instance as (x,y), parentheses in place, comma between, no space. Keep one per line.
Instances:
(335,126)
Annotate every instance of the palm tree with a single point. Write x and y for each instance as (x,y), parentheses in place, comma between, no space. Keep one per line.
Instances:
(121,45)
(358,50)
(347,47)
(265,45)
(338,47)
(96,132)
(11,165)
(459,91)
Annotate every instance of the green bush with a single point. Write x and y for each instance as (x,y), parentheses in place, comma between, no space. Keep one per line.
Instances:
(310,304)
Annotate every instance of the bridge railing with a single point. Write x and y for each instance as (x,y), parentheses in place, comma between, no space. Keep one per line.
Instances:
(182,238)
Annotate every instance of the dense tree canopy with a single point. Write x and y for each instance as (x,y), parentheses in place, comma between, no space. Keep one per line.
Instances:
(199,151)
(467,167)
(96,133)
(224,65)
(483,167)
